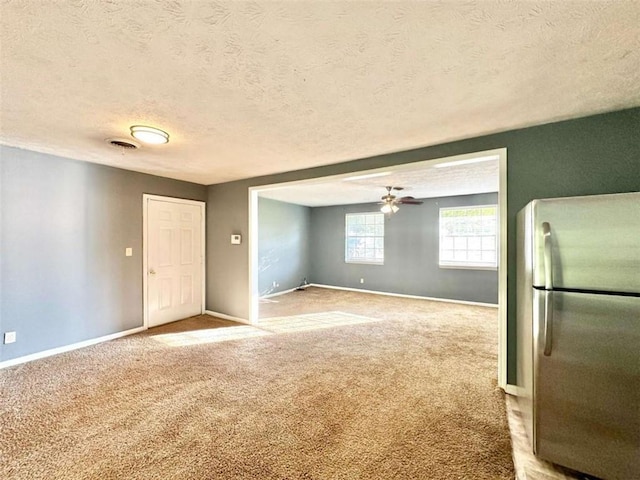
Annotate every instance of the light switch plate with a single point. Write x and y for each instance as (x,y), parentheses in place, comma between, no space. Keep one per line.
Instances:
(236,239)
(128,251)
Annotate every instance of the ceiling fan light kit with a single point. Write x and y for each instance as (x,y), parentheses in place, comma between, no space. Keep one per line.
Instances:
(390,202)
(389,208)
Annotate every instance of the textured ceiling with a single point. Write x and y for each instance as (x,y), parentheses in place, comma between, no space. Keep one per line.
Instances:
(253,88)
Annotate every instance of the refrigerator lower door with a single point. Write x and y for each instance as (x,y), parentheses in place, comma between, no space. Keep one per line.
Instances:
(587,391)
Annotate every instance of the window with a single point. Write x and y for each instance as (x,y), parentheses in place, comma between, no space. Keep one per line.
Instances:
(364,238)
(468,237)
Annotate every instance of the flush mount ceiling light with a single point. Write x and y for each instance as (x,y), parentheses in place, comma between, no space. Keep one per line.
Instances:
(149,134)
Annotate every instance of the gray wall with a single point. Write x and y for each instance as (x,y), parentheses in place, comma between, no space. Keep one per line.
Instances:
(64,228)
(411,245)
(228,265)
(283,245)
(587,156)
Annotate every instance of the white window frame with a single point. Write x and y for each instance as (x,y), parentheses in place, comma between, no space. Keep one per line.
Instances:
(469,264)
(379,221)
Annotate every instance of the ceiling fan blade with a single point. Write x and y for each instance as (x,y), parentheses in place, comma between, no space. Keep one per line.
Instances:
(410,201)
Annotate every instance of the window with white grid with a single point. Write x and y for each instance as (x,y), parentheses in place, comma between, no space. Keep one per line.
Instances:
(469,237)
(364,238)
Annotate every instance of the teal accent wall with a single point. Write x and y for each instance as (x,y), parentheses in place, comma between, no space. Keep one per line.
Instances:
(585,156)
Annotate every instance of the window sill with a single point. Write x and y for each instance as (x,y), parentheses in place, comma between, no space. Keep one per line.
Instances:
(468,267)
(364,262)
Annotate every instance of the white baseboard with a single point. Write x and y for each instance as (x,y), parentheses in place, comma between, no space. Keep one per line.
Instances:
(402,295)
(68,348)
(224,316)
(279,293)
(511,390)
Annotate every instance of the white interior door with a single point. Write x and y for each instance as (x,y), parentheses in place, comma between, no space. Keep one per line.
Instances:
(174,260)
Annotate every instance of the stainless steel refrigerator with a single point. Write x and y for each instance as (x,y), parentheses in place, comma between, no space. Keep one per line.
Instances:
(578,304)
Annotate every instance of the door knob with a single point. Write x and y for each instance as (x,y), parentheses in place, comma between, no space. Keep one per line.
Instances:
(152,272)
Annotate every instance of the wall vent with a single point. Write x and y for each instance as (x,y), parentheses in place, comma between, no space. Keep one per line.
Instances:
(122,143)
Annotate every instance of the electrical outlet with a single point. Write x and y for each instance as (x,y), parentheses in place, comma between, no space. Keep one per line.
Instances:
(362,280)
(9,337)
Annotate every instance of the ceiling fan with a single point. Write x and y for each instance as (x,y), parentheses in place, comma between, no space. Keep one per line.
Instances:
(390,201)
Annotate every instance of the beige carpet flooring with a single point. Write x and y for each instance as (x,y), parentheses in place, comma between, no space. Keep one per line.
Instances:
(332,385)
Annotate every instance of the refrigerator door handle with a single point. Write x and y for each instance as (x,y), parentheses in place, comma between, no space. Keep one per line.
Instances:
(548,258)
(548,286)
(548,322)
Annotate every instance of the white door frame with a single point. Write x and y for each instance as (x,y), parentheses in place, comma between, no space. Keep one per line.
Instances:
(502,261)
(145,238)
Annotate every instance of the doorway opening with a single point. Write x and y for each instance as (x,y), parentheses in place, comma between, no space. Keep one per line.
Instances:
(348,188)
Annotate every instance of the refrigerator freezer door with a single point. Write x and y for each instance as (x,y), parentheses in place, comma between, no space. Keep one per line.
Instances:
(587,391)
(595,242)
